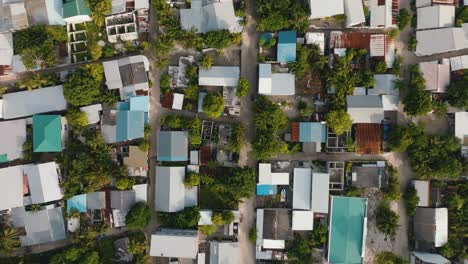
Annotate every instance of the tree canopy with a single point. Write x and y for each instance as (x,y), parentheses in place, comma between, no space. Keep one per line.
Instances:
(404,18)
(76,118)
(83,86)
(457,93)
(213,104)
(192,179)
(187,218)
(411,200)
(138,216)
(278,15)
(206,61)
(417,100)
(243,87)
(387,220)
(339,121)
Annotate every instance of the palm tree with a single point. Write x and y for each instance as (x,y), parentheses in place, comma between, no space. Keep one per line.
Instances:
(9,239)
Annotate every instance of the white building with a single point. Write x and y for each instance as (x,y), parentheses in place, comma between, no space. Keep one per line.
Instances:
(381,16)
(43,181)
(311,190)
(448,39)
(92,112)
(171,193)
(174,243)
(275,83)
(11,189)
(12,139)
(437,16)
(436,75)
(6,50)
(219,76)
(322,9)
(365,108)
(121,26)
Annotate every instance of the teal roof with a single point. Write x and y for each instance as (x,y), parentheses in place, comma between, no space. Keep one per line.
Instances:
(47,133)
(71,8)
(139,103)
(347,228)
(312,132)
(4,158)
(287,46)
(130,125)
(78,203)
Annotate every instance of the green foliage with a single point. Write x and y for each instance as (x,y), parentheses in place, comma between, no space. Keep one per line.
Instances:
(144,145)
(213,104)
(393,33)
(228,217)
(191,92)
(241,183)
(392,191)
(76,118)
(278,15)
(417,101)
(319,235)
(237,138)
(161,47)
(307,59)
(461,16)
(208,229)
(412,43)
(411,200)
(339,121)
(366,78)
(219,39)
(83,86)
(195,127)
(28,145)
(3,90)
(387,220)
(124,183)
(404,18)
(396,67)
(206,61)
(300,250)
(99,10)
(343,79)
(389,258)
(37,43)
(37,81)
(243,87)
(253,234)
(381,67)
(138,216)
(440,107)
(165,83)
(400,138)
(354,192)
(217,218)
(147,130)
(457,93)
(270,120)
(187,218)
(172,121)
(192,179)
(261,41)
(95,51)
(9,239)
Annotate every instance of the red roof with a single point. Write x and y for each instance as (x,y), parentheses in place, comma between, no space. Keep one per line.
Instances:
(368,138)
(205,155)
(350,40)
(295,132)
(167,100)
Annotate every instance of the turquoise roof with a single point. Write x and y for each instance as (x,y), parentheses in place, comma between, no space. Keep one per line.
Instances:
(287,46)
(123,106)
(78,203)
(139,103)
(347,228)
(71,8)
(130,125)
(4,158)
(47,133)
(312,132)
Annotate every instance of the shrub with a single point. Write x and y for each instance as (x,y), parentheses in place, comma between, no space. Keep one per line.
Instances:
(404,18)
(76,118)
(253,234)
(165,83)
(243,87)
(228,217)
(208,229)
(124,183)
(192,179)
(206,61)
(387,220)
(213,104)
(144,145)
(217,218)
(138,216)
(339,121)
(411,200)
(381,67)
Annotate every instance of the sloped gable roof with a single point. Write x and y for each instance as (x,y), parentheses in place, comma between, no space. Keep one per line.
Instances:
(47,133)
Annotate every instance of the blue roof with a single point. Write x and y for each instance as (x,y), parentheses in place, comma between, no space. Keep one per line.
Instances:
(287,46)
(139,103)
(123,106)
(130,125)
(265,189)
(312,132)
(77,202)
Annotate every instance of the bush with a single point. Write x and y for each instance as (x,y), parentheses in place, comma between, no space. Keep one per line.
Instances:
(228,217)
(253,234)
(412,43)
(206,61)
(417,100)
(457,93)
(147,130)
(277,15)
(192,179)
(83,86)
(218,39)
(243,87)
(208,229)
(396,67)
(339,121)
(76,118)
(319,235)
(138,216)
(393,33)
(144,145)
(381,67)
(392,191)
(411,200)
(404,18)
(217,218)
(165,83)
(237,138)
(389,258)
(191,92)
(213,104)
(187,218)
(124,183)
(387,220)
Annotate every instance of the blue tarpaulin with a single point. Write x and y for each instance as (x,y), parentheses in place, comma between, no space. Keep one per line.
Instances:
(77,202)
(265,189)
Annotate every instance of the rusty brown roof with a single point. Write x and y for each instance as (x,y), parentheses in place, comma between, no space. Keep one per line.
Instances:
(368,138)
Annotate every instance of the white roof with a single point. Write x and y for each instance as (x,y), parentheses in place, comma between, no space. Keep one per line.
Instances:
(354,12)
(381,15)
(141,192)
(365,108)
(437,76)
(92,113)
(265,176)
(459,63)
(390,102)
(437,16)
(441,227)
(211,16)
(461,126)
(448,39)
(33,102)
(422,189)
(317,38)
(219,76)
(384,84)
(6,48)
(302,220)
(174,244)
(274,244)
(11,189)
(12,138)
(178,101)
(302,188)
(170,189)
(320,192)
(205,217)
(194,157)
(140,4)
(111,70)
(44,226)
(275,83)
(321,9)
(225,252)
(43,182)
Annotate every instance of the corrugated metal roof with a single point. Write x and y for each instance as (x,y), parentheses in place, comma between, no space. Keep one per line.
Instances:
(377,45)
(368,138)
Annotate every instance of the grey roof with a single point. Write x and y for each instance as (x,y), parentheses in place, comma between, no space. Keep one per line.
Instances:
(13,138)
(172,146)
(133,73)
(320,192)
(384,84)
(122,200)
(96,200)
(367,177)
(277,224)
(224,252)
(11,188)
(170,189)
(429,258)
(431,225)
(43,226)
(174,243)
(365,108)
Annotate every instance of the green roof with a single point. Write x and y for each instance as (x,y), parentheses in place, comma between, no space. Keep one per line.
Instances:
(73,8)
(47,133)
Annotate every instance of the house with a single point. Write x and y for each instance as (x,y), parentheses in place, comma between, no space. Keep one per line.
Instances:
(307,132)
(273,228)
(448,39)
(77,203)
(219,76)
(365,108)
(45,12)
(121,202)
(350,236)
(13,16)
(205,16)
(130,125)
(369,175)
(171,193)
(427,258)
(431,226)
(384,84)
(302,220)
(270,83)
(172,146)
(310,190)
(174,243)
(43,182)
(12,139)
(459,63)
(6,53)
(28,103)
(286,46)
(423,190)
(92,113)
(437,16)
(461,131)
(129,75)
(179,73)
(141,192)
(75,11)
(437,76)
(224,252)
(383,14)
(136,161)
(12,188)
(121,27)
(323,9)
(268,180)
(47,133)
(96,200)
(41,227)
(354,12)
(368,138)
